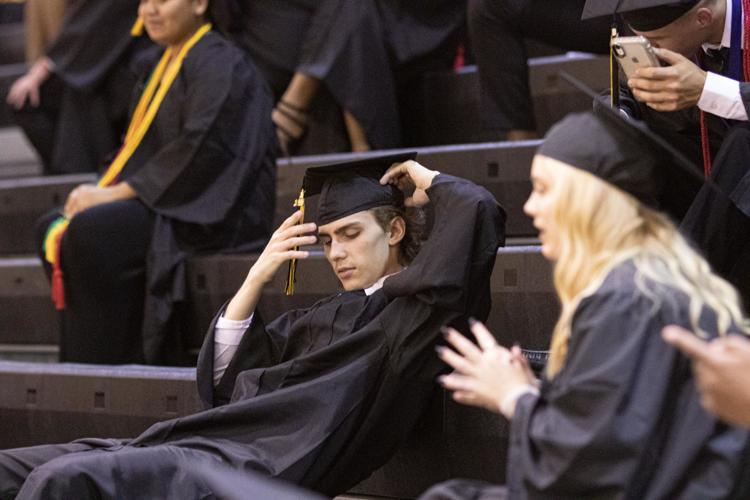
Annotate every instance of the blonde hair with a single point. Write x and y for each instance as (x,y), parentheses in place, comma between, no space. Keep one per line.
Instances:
(601,227)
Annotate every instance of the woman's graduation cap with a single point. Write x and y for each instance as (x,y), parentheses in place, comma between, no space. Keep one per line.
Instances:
(626,154)
(347,188)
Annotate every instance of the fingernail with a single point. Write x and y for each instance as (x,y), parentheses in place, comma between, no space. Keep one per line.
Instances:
(440,379)
(445,330)
(440,350)
(472,321)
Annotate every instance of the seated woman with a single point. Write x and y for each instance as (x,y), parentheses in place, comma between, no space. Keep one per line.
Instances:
(324,395)
(617,413)
(195,173)
(366,55)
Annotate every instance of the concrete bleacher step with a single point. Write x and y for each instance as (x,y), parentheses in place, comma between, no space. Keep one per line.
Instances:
(450,107)
(12,42)
(61,402)
(502,167)
(525,306)
(43,403)
(17,157)
(27,316)
(23,201)
(524,303)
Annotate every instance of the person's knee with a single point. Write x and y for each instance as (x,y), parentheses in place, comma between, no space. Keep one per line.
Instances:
(64,477)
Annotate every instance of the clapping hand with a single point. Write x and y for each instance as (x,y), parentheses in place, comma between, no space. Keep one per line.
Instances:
(486,373)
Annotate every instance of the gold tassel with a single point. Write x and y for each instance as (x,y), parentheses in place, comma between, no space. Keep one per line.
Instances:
(292,273)
(137,29)
(614,75)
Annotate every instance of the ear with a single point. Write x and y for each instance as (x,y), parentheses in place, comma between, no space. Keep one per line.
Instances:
(397,231)
(200,7)
(704,17)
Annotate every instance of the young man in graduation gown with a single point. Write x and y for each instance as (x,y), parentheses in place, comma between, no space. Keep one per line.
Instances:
(321,396)
(699,102)
(498,30)
(195,174)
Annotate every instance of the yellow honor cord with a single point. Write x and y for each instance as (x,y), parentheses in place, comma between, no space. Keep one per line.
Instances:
(614,80)
(292,273)
(137,29)
(148,105)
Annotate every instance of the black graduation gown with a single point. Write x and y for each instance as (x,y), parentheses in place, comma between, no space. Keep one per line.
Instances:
(718,221)
(84,105)
(365,52)
(370,358)
(323,396)
(623,418)
(206,172)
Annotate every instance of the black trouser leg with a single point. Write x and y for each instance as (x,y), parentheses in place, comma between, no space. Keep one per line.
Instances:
(103,261)
(498,28)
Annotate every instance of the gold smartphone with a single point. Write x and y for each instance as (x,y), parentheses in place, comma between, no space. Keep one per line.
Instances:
(633,52)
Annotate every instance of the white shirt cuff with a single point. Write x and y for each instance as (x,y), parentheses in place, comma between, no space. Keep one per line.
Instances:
(721,97)
(230,331)
(508,404)
(228,334)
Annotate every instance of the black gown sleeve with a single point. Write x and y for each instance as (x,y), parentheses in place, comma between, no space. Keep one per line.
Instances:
(224,141)
(469,226)
(745,95)
(93,37)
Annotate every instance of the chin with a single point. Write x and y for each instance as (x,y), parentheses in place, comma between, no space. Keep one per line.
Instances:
(548,253)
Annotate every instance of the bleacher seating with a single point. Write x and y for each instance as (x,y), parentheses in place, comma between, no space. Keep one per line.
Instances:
(524,303)
(41,403)
(61,402)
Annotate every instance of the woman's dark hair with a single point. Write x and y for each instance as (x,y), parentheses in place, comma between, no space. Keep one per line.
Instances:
(415,228)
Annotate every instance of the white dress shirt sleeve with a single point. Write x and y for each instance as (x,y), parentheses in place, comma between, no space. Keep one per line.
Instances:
(721,97)
(228,334)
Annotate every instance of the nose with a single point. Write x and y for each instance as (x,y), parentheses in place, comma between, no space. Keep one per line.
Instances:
(529,206)
(338,251)
(147,6)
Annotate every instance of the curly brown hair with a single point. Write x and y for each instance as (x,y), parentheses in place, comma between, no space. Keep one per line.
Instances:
(415,228)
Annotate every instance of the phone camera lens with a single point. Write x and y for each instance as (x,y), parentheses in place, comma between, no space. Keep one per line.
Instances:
(618,50)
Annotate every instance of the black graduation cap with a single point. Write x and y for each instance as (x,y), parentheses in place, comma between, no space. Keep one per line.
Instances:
(626,154)
(350,187)
(641,15)
(346,188)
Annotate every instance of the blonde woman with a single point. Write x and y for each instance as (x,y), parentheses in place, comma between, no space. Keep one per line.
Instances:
(616,413)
